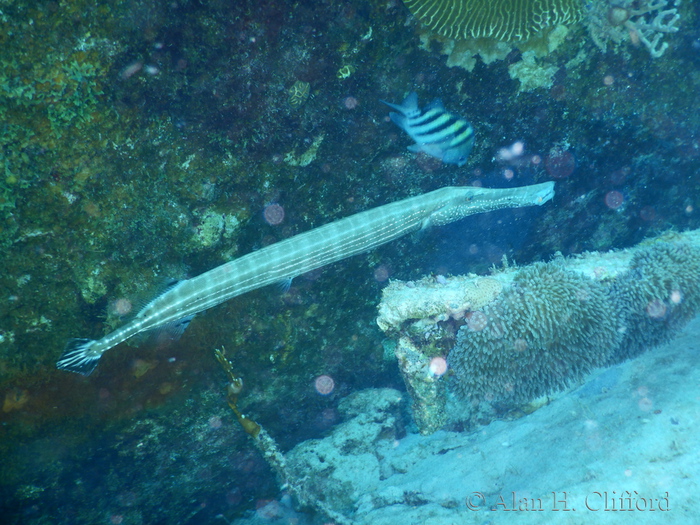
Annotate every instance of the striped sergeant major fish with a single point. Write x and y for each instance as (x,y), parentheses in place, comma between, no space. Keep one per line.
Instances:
(437,132)
(282,261)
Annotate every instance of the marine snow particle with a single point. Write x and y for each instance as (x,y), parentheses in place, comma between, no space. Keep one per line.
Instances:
(131,69)
(381,273)
(477,321)
(647,213)
(122,306)
(656,309)
(324,385)
(645,404)
(438,366)
(520,345)
(560,163)
(350,103)
(511,152)
(273,214)
(618,15)
(614,199)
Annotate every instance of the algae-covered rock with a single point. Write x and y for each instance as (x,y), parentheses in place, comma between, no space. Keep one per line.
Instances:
(425,387)
(338,469)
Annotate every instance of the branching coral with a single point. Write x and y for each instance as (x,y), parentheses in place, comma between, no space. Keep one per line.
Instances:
(638,21)
(651,30)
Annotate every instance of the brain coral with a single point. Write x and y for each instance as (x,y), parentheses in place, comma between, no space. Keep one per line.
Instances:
(657,296)
(499,19)
(547,330)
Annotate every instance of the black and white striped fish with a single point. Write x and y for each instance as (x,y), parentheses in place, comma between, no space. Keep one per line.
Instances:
(437,132)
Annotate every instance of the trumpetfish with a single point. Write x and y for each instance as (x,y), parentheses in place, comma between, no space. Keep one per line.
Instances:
(284,260)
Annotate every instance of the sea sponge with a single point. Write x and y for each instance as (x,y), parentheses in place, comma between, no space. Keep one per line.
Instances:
(657,296)
(548,329)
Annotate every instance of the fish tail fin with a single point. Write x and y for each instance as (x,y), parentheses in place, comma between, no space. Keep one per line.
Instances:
(77,357)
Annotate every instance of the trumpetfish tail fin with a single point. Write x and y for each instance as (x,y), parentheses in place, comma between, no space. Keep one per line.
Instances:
(78,358)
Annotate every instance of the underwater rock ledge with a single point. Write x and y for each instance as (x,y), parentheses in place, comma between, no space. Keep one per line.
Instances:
(524,333)
(630,428)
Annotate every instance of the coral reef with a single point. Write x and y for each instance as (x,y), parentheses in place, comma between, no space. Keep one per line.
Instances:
(330,469)
(425,388)
(270,449)
(642,24)
(548,329)
(149,122)
(645,22)
(298,94)
(498,19)
(636,420)
(439,299)
(657,296)
(531,74)
(534,70)
(551,324)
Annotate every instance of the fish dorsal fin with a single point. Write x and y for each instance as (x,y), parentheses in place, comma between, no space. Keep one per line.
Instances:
(409,106)
(410,103)
(435,104)
(162,335)
(167,285)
